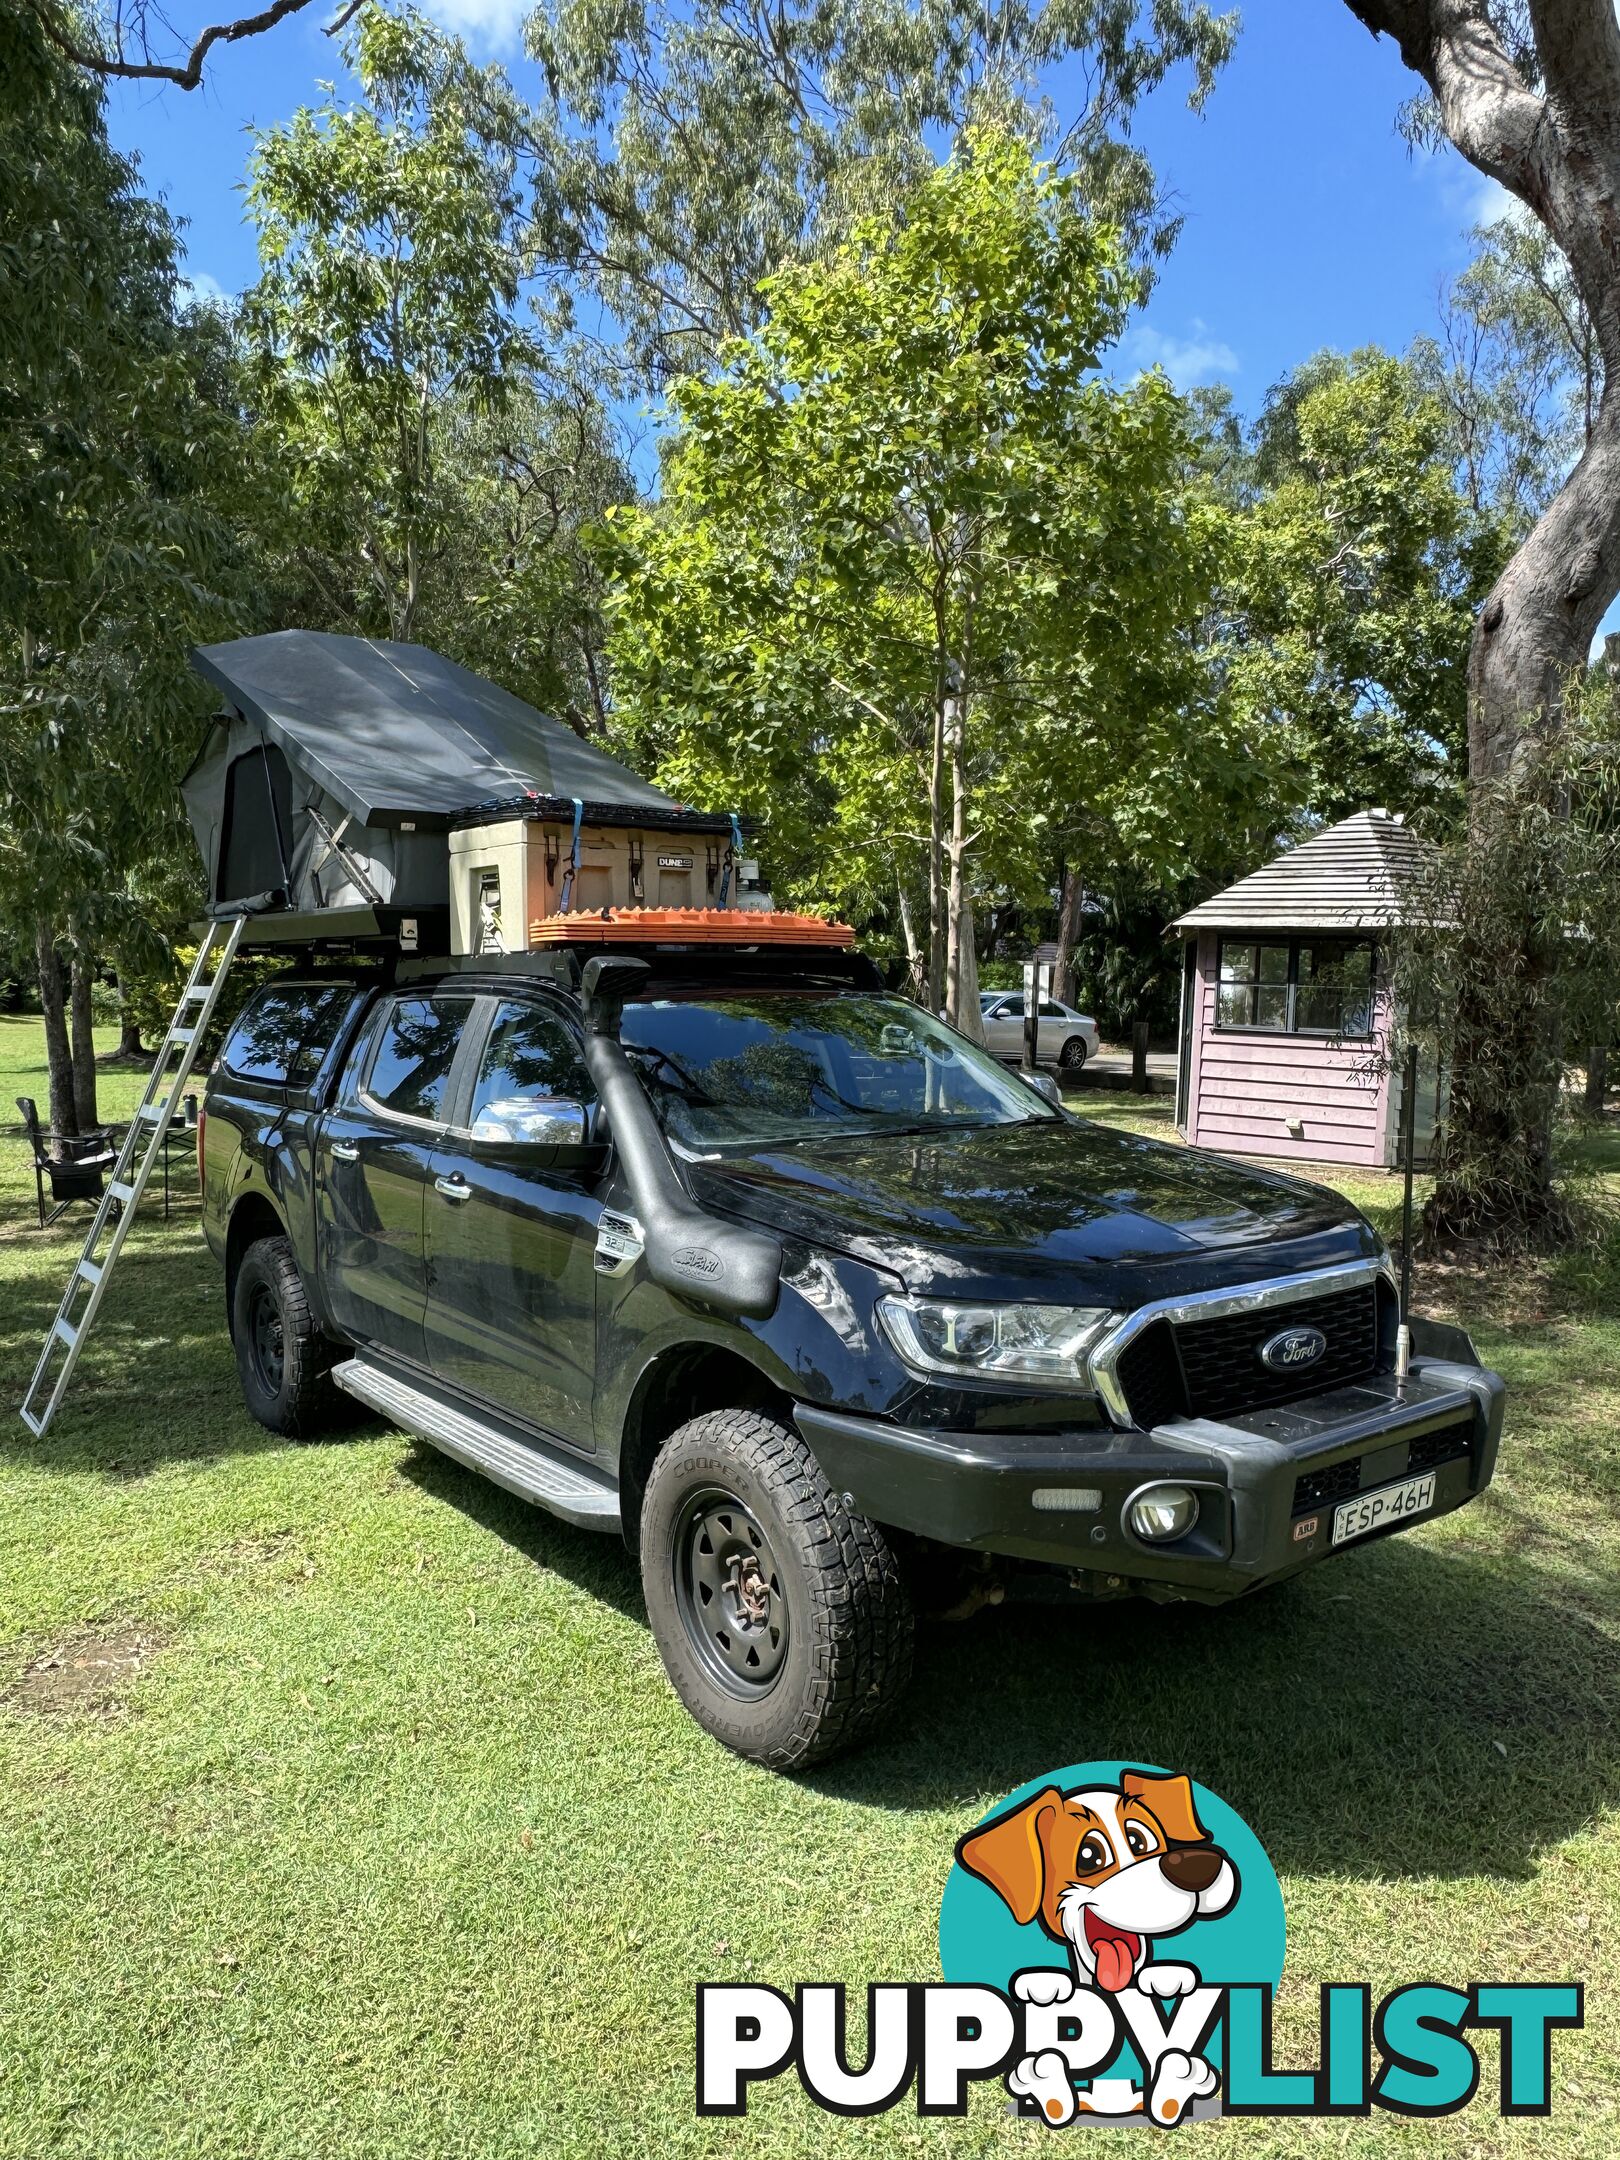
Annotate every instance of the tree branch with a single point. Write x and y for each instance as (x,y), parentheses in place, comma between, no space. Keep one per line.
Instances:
(1578,45)
(1559,154)
(185,77)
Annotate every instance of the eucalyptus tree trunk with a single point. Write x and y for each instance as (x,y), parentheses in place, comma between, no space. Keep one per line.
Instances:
(1597,1075)
(1071,893)
(1554,143)
(961,956)
(916,962)
(937,940)
(130,1044)
(63,1117)
(81,1019)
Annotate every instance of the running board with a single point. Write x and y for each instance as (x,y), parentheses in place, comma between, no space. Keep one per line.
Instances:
(576,1494)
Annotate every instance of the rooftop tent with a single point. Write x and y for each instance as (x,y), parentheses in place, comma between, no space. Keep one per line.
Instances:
(340,763)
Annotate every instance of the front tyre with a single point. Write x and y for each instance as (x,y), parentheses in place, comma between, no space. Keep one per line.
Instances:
(780,1614)
(282,1357)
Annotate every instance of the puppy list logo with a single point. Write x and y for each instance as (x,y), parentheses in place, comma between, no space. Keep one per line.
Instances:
(1111,1939)
(1108,1870)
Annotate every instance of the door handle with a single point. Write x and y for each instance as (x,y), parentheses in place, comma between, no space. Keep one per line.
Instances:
(453,1188)
(345,1151)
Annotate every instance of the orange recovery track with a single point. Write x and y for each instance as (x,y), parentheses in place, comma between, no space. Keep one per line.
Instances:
(688,926)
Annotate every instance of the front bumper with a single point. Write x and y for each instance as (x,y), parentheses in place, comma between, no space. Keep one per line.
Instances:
(1267,1482)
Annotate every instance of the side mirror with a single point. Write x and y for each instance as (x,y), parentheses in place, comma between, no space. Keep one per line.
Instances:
(533,1121)
(1042,1083)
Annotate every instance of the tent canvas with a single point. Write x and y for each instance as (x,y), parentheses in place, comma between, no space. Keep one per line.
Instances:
(341,762)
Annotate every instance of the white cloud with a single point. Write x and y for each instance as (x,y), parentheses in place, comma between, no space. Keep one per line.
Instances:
(1470,196)
(492,24)
(199,285)
(1492,200)
(1196,358)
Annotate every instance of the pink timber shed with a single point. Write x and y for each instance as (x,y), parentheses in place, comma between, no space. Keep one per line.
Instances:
(1285,1013)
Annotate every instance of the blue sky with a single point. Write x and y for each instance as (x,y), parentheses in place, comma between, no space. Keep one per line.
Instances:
(1308,221)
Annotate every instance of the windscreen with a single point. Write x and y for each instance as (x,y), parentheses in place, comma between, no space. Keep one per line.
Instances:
(800,1065)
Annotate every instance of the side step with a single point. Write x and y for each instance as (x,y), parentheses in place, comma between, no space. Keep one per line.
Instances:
(574,1493)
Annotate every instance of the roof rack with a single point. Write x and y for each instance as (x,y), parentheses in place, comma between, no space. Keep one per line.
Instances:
(677,818)
(689,926)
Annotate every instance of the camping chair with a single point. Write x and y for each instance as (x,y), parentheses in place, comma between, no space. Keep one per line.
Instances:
(75,1173)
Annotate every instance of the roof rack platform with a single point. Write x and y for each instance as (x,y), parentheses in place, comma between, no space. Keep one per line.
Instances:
(690,926)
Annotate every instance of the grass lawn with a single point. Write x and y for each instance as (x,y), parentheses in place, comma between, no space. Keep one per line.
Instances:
(344,1810)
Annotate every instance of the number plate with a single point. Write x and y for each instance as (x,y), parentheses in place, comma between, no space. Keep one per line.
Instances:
(1389,1504)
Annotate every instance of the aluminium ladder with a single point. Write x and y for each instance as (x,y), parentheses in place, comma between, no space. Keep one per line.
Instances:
(142,1146)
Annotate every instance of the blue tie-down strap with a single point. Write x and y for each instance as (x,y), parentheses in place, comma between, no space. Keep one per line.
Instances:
(573,859)
(733,858)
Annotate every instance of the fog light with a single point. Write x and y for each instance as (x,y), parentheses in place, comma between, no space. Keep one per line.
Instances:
(1161,1512)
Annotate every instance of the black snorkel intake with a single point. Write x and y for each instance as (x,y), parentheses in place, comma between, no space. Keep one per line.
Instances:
(721,1264)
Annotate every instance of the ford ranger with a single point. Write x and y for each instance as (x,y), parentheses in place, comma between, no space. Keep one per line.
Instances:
(760,1266)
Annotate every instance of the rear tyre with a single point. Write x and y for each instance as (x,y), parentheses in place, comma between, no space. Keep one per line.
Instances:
(780,1614)
(281,1355)
(1073,1054)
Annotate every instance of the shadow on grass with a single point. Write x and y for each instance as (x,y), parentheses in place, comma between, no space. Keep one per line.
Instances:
(1411,1711)
(157,1381)
(593,1560)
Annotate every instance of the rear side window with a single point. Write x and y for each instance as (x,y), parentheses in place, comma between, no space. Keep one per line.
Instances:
(284,1034)
(410,1073)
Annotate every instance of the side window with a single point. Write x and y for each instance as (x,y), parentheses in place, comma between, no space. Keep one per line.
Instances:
(531,1057)
(1013,1009)
(410,1072)
(1051,1010)
(286,1031)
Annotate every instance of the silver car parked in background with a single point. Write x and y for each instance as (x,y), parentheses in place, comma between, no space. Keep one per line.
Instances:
(1066,1037)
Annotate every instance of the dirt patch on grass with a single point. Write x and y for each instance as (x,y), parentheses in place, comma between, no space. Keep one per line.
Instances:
(88,1674)
(246,1554)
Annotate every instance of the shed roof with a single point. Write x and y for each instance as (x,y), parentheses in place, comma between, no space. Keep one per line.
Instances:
(1350,877)
(395,731)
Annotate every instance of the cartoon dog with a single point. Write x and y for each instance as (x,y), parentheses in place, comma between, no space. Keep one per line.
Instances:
(1106,1872)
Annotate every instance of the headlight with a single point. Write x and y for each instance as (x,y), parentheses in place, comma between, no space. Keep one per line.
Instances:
(1043,1344)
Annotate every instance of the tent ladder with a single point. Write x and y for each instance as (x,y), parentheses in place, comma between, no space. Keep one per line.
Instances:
(137,1158)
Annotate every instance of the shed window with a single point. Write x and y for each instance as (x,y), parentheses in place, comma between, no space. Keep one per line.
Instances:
(1297,986)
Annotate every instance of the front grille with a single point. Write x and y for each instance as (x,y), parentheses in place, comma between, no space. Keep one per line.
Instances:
(1452,1443)
(1212,1368)
(1150,1374)
(1342,1480)
(1322,1488)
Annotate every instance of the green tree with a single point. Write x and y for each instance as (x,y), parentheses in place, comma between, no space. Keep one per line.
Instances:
(517,593)
(1529,92)
(115,553)
(922,584)
(388,307)
(1355,569)
(1518,363)
(687,152)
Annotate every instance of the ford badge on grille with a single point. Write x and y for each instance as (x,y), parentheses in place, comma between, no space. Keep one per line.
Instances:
(1293,1349)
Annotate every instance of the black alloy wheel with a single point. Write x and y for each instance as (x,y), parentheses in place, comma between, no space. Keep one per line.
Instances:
(729,1592)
